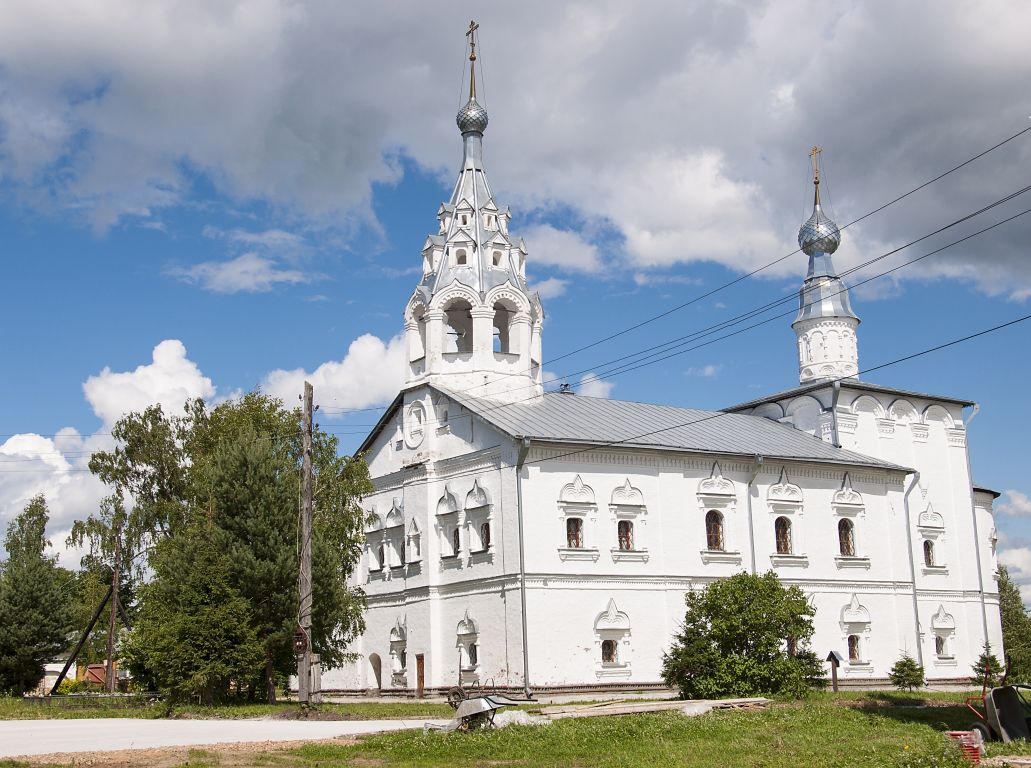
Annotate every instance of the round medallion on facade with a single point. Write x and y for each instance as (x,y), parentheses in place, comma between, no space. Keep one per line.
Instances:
(415,425)
(819,234)
(472,118)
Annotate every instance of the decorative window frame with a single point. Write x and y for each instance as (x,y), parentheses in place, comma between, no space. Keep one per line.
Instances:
(468,634)
(627,504)
(374,538)
(785,499)
(577,500)
(478,510)
(612,624)
(943,625)
(413,540)
(448,519)
(931,526)
(855,620)
(399,654)
(393,536)
(718,494)
(847,504)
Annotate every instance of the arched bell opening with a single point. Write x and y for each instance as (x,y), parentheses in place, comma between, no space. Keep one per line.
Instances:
(458,327)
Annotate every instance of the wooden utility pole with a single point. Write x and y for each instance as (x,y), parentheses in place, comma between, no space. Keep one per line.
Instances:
(304,585)
(109,677)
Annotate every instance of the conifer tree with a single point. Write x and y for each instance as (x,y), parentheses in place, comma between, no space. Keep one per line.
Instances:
(987,669)
(906,674)
(35,614)
(1016,629)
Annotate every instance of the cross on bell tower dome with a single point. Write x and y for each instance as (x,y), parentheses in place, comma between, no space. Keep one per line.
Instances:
(472,323)
(825,324)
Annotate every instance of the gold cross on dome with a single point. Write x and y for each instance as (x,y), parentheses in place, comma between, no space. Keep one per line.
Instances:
(471,34)
(814,155)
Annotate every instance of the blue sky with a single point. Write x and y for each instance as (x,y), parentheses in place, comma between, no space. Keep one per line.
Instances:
(203,201)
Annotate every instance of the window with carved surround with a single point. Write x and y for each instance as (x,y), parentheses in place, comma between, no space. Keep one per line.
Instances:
(849,509)
(717,506)
(629,513)
(374,550)
(785,502)
(393,535)
(478,517)
(399,654)
(467,642)
(449,527)
(578,516)
(414,538)
(931,526)
(943,627)
(855,630)
(612,640)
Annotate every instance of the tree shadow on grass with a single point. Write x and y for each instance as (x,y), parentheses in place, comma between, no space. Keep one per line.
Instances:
(941,718)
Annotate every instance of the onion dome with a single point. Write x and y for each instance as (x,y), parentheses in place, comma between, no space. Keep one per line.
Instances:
(819,234)
(472,118)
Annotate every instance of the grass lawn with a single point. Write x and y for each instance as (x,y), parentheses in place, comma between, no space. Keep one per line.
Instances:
(855,729)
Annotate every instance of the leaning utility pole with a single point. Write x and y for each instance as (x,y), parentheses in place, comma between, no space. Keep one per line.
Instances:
(304,580)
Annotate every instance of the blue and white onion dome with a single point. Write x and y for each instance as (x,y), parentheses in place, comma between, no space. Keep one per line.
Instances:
(472,118)
(819,234)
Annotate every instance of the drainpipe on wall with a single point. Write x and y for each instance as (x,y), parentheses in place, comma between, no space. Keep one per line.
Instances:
(836,388)
(524,448)
(977,539)
(751,526)
(912,568)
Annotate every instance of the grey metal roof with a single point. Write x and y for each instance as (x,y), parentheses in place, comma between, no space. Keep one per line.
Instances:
(845,383)
(578,419)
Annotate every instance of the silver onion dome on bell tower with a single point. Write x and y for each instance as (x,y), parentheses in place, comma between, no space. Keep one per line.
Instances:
(472,118)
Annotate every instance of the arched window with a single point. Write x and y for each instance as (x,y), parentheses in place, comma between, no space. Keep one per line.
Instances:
(846,538)
(714,531)
(380,557)
(782,530)
(939,645)
(625,533)
(929,554)
(502,329)
(575,533)
(608,652)
(485,535)
(474,655)
(496,258)
(458,327)
(853,648)
(456,541)
(465,220)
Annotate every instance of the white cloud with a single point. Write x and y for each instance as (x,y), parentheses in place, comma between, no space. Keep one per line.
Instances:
(170,379)
(590,386)
(710,371)
(104,104)
(550,288)
(248,272)
(371,373)
(1018,563)
(1014,503)
(562,248)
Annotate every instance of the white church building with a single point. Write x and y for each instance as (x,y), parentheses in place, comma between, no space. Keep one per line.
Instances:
(546,540)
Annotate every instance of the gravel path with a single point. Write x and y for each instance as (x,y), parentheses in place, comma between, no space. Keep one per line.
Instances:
(42,737)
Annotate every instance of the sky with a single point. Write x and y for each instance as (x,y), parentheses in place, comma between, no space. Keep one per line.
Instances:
(197,199)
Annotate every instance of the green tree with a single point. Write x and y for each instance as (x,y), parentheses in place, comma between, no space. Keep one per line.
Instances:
(194,632)
(1016,629)
(744,636)
(35,615)
(987,669)
(239,464)
(906,674)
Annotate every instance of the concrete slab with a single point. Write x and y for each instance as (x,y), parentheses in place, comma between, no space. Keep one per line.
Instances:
(41,737)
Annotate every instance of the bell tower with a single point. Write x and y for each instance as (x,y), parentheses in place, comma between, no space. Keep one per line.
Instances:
(825,324)
(472,323)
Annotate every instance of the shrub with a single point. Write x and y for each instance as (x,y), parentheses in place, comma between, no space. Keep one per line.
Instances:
(744,636)
(906,674)
(987,669)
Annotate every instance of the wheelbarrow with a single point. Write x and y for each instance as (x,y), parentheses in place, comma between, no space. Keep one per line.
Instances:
(1004,713)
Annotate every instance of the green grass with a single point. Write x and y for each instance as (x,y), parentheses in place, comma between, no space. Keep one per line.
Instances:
(813,734)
